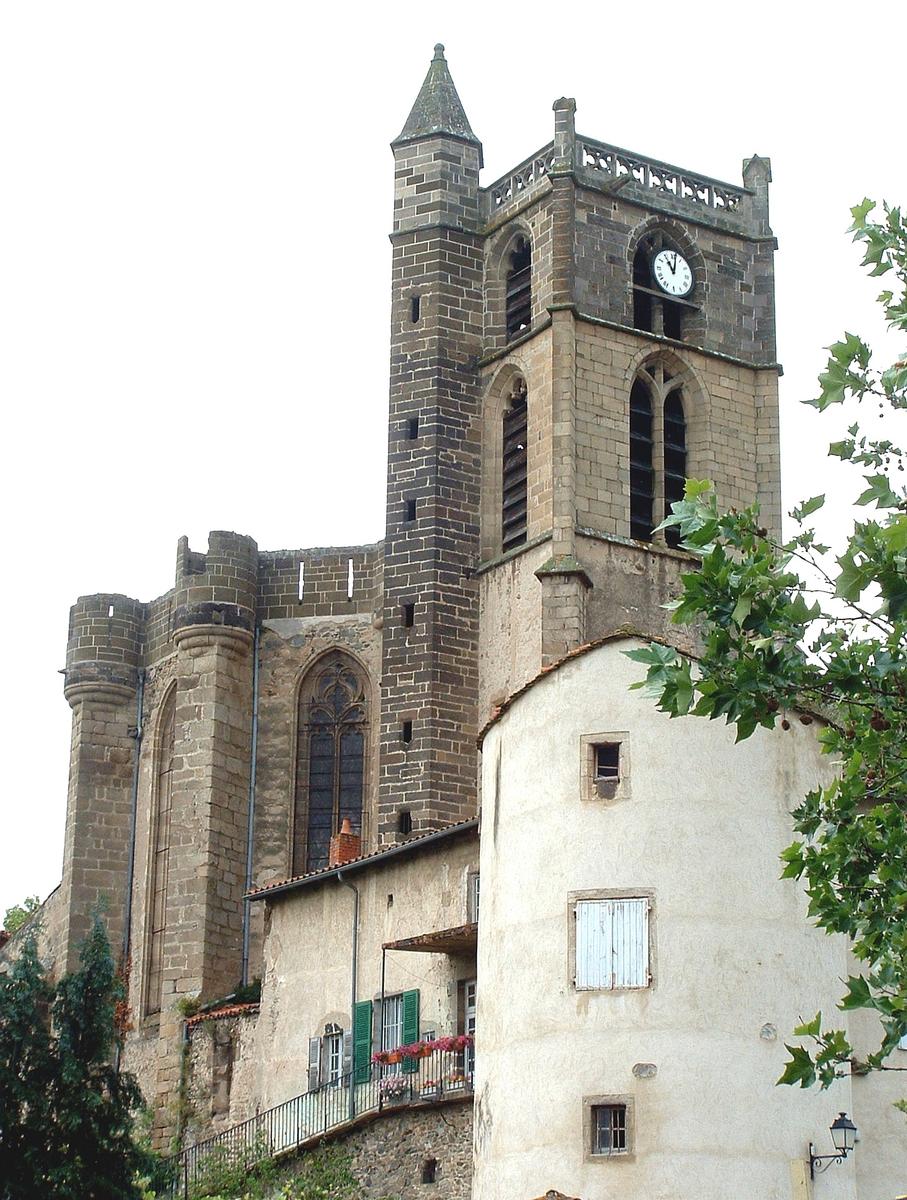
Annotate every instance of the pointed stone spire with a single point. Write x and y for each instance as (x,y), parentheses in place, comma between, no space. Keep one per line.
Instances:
(438,110)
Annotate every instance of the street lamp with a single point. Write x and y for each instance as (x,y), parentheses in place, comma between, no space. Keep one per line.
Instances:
(843,1136)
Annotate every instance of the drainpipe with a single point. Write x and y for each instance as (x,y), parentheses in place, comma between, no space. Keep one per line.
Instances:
(130,863)
(133,809)
(353,985)
(246,912)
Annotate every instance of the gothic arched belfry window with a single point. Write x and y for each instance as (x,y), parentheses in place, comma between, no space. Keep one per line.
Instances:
(514,467)
(518,314)
(658,449)
(330,757)
(160,853)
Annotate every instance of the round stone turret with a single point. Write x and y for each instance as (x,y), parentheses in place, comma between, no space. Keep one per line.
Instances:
(219,587)
(104,647)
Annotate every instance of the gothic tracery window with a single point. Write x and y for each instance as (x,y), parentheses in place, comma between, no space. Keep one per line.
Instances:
(514,466)
(160,853)
(658,449)
(330,758)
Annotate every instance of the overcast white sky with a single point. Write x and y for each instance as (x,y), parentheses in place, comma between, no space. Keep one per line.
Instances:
(194,265)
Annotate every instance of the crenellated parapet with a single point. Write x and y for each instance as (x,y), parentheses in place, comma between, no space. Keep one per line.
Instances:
(219,587)
(104,646)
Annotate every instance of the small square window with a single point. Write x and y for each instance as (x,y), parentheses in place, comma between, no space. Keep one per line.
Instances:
(609,1129)
(606,760)
(605,766)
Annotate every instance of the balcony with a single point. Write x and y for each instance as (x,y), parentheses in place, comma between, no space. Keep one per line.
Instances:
(421,1074)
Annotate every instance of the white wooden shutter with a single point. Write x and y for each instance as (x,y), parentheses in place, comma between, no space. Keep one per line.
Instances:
(612,943)
(630,943)
(347,1051)
(314,1062)
(593,944)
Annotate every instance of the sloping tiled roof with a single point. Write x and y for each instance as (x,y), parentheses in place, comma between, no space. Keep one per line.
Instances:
(364,860)
(225,1010)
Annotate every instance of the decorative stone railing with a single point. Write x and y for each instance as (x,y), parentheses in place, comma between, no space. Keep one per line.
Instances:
(516,184)
(659,177)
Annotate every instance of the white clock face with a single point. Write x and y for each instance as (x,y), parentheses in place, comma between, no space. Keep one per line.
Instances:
(672,273)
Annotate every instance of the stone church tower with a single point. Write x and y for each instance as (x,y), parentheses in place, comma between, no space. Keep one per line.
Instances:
(568,344)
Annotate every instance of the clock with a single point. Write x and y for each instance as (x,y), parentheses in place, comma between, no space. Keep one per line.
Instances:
(672,273)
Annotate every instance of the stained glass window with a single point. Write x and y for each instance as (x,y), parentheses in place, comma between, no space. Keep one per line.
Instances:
(330,758)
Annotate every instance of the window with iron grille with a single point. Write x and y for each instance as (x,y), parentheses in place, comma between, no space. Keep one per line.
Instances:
(514,469)
(609,1129)
(519,289)
(612,943)
(330,758)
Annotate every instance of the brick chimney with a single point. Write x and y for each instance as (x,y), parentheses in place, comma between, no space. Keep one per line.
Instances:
(345,845)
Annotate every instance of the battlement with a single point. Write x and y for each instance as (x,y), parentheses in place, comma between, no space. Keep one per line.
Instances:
(320,582)
(219,587)
(105,640)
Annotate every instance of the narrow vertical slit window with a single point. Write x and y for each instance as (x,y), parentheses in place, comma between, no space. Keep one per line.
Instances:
(404,821)
(406,732)
(675,458)
(514,470)
(349,579)
(409,615)
(415,309)
(412,429)
(160,863)
(519,289)
(301,579)
(410,511)
(642,480)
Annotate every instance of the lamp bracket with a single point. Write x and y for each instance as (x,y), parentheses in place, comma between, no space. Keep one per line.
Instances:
(819,1163)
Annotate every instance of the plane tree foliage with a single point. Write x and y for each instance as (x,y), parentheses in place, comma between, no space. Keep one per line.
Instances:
(793,627)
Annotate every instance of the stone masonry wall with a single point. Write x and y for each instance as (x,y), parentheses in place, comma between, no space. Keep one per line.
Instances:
(735,289)
(732,426)
(389,1154)
(221,1073)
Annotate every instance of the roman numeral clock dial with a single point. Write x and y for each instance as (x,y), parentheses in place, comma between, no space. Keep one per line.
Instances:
(672,273)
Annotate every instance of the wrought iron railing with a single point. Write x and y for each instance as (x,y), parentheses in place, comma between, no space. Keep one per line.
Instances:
(441,1074)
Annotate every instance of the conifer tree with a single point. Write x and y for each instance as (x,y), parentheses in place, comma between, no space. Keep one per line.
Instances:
(67,1114)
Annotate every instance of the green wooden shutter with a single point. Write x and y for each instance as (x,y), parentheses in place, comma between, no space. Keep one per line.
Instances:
(410,1028)
(362,1041)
